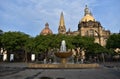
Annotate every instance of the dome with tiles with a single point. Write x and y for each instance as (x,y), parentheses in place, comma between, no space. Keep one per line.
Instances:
(46,30)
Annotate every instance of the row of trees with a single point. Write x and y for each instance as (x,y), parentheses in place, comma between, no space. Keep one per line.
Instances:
(16,42)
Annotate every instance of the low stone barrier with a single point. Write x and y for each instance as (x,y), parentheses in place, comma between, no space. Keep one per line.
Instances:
(66,66)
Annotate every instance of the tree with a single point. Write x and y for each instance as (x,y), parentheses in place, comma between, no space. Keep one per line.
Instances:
(96,48)
(82,42)
(14,41)
(29,47)
(42,43)
(113,41)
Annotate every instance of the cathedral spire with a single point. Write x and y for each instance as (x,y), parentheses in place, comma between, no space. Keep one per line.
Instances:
(87,11)
(62,29)
(62,22)
(87,16)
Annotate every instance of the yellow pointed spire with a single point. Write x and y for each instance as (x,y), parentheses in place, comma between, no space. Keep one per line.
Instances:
(62,22)
(62,28)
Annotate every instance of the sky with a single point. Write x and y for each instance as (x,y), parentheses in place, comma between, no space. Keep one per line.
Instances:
(30,16)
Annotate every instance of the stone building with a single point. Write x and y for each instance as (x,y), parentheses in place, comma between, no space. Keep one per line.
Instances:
(87,26)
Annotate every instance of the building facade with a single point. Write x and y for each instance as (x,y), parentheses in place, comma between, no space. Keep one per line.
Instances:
(88,26)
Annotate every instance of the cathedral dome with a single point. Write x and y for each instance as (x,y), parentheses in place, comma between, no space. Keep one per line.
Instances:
(46,30)
(87,18)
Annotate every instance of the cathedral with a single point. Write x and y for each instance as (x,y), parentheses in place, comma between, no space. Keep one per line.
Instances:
(87,26)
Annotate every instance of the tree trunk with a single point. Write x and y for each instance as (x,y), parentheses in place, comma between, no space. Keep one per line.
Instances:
(26,60)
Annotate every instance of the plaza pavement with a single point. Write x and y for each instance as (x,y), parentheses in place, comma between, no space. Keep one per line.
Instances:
(20,71)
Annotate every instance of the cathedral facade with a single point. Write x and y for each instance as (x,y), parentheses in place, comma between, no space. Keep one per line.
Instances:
(87,26)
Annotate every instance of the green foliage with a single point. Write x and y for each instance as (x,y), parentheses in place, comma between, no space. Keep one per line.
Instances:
(44,43)
(30,45)
(13,41)
(82,41)
(95,48)
(113,41)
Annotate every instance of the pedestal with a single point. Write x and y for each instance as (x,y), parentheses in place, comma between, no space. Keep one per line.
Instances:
(63,60)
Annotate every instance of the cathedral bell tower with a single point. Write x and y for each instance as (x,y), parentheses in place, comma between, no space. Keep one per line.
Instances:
(62,28)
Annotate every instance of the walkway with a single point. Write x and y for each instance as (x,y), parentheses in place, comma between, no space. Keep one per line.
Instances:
(19,71)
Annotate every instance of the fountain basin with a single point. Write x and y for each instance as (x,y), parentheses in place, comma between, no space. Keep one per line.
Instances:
(63,54)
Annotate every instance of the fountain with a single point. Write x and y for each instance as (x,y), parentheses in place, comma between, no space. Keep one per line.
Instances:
(63,54)
(63,46)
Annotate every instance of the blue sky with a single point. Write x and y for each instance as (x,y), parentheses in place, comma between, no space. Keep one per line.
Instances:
(30,16)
